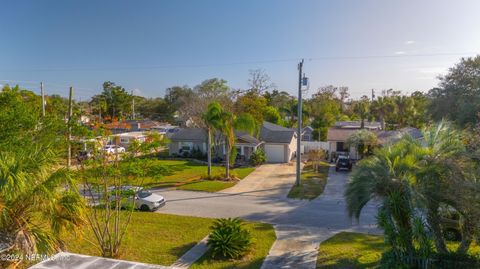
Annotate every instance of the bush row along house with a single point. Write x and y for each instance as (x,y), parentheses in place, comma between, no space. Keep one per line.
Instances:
(279,143)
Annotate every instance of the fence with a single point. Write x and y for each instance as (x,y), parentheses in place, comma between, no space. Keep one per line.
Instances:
(314,145)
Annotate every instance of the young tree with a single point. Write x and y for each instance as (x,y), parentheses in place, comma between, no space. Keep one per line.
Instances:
(212,119)
(362,109)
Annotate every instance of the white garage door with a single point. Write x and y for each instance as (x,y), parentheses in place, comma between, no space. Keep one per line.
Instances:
(275,153)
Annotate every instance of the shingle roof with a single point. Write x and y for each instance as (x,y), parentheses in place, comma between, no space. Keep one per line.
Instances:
(190,134)
(247,138)
(339,134)
(387,137)
(272,133)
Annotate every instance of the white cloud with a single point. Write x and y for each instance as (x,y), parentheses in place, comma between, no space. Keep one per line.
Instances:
(400,53)
(410,42)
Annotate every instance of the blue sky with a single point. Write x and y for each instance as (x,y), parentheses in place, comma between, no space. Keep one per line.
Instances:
(151,45)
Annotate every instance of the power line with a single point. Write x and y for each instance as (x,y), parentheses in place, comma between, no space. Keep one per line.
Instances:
(321,58)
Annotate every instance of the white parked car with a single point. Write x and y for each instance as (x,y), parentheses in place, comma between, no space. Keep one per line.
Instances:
(144,200)
(112,149)
(148,201)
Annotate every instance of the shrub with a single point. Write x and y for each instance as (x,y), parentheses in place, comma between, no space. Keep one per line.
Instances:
(258,157)
(229,239)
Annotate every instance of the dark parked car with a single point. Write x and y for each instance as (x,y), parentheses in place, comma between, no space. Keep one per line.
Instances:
(343,162)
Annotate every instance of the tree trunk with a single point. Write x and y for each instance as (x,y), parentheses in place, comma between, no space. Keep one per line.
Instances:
(227,161)
(434,223)
(467,231)
(209,152)
(382,123)
(362,125)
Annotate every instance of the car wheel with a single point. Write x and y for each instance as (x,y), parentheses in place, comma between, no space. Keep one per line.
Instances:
(144,208)
(452,235)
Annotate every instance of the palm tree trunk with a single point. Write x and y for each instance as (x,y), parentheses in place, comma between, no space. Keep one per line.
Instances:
(382,122)
(434,223)
(227,161)
(467,231)
(209,152)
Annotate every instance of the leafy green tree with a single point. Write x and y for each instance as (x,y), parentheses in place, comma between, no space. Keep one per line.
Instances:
(404,110)
(458,95)
(252,104)
(117,100)
(272,115)
(364,141)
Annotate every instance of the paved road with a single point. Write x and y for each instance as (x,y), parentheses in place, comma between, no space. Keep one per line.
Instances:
(299,225)
(268,203)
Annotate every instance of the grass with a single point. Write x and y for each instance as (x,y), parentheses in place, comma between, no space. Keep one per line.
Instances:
(162,238)
(312,182)
(353,250)
(264,236)
(182,174)
(151,238)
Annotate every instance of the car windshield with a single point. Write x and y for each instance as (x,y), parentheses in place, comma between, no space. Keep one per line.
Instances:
(143,194)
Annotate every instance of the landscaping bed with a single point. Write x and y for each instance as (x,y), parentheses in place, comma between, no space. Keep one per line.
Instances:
(263,238)
(312,182)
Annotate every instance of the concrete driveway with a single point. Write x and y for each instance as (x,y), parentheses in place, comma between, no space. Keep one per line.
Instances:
(268,180)
(300,225)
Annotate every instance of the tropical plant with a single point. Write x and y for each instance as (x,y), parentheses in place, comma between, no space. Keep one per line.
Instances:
(411,177)
(382,108)
(364,141)
(38,202)
(362,109)
(258,157)
(229,238)
(212,120)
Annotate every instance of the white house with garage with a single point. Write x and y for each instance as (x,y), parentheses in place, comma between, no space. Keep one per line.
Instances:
(280,143)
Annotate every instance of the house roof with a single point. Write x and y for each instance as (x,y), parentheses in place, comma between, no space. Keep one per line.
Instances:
(340,134)
(307,128)
(247,138)
(387,137)
(189,134)
(272,133)
(358,124)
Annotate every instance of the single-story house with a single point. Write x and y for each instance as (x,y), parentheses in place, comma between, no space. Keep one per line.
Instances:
(338,134)
(280,143)
(186,140)
(124,139)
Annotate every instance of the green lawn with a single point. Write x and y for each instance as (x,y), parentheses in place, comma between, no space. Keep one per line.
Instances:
(182,174)
(312,182)
(264,236)
(151,238)
(162,239)
(353,250)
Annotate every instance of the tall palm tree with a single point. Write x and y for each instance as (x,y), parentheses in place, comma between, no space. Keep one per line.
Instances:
(37,202)
(362,108)
(229,124)
(405,109)
(212,120)
(382,108)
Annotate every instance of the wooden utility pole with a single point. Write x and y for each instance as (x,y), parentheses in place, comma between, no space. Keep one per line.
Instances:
(299,121)
(69,129)
(133,106)
(43,99)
